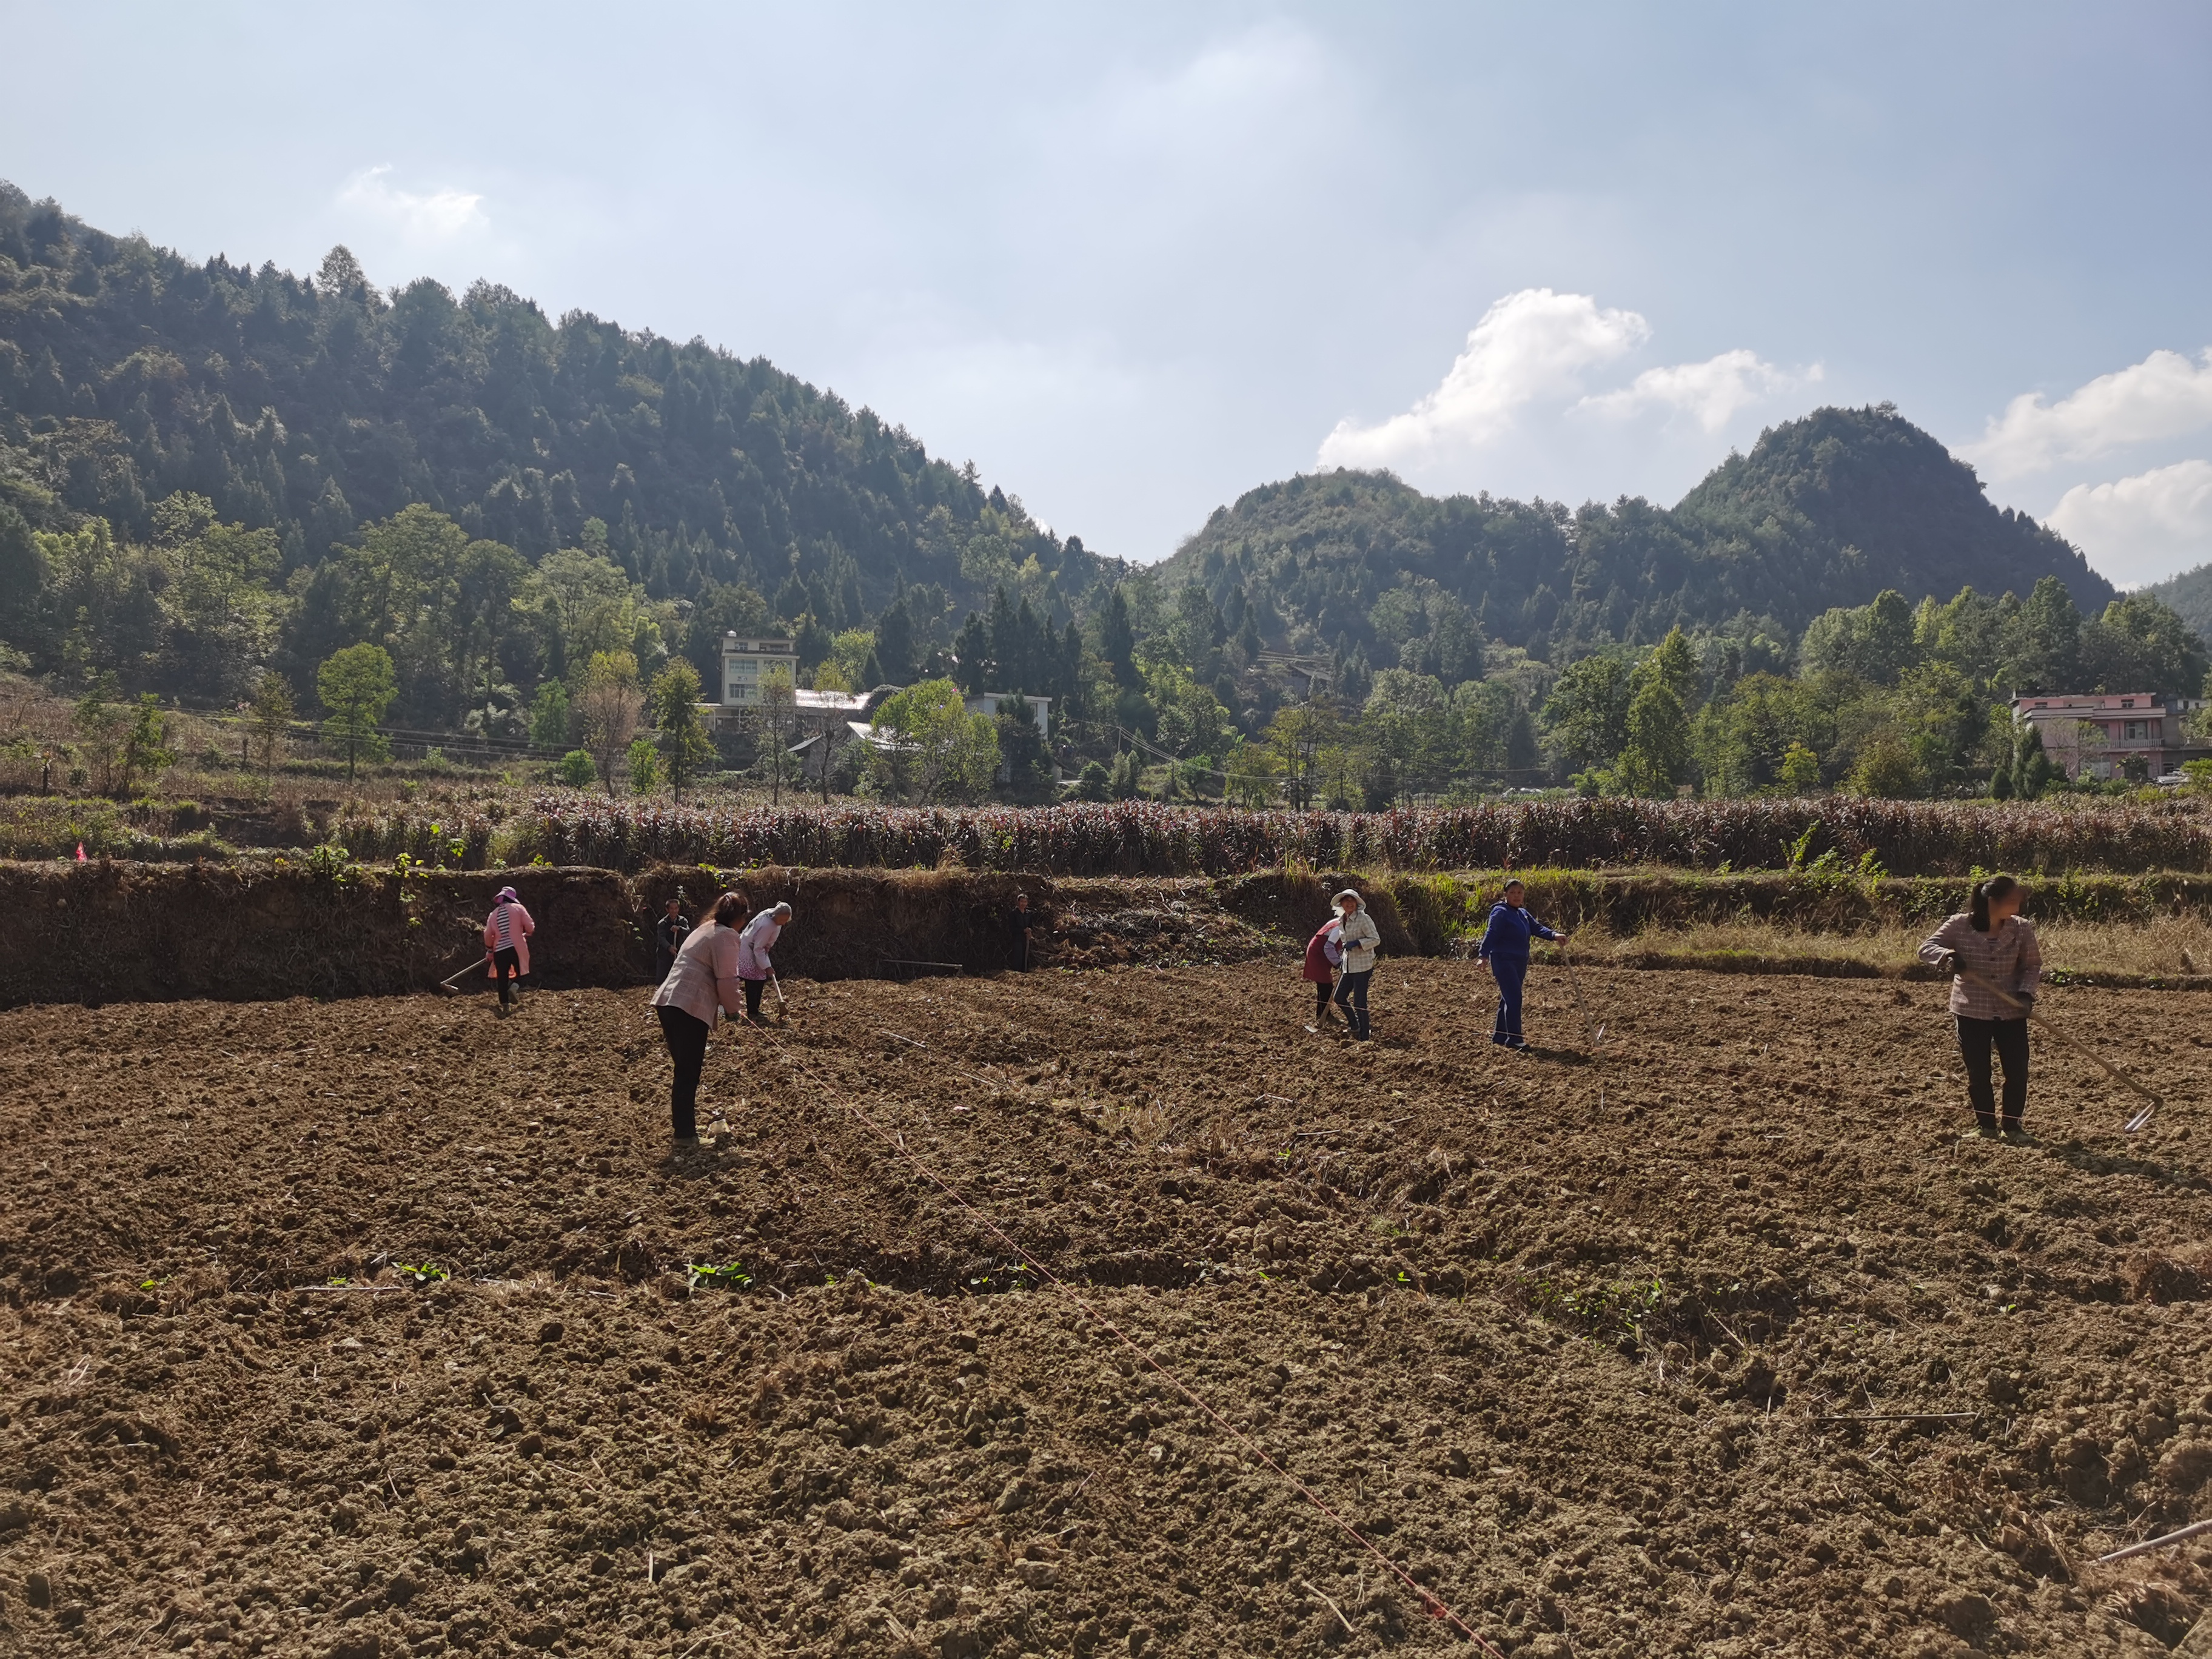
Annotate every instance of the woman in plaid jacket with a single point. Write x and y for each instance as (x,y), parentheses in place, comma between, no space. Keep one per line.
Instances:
(1990,953)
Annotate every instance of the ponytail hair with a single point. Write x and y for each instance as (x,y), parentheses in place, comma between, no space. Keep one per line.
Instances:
(1996,887)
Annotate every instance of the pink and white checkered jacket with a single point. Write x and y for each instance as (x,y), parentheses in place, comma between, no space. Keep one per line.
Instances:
(2006,957)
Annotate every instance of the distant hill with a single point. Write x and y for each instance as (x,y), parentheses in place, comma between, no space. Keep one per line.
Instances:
(2191,594)
(1824,510)
(311,404)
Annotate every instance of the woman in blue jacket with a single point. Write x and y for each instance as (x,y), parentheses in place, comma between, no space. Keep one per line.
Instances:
(1505,948)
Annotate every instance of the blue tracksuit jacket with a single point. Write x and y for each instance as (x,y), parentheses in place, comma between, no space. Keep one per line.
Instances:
(1509,932)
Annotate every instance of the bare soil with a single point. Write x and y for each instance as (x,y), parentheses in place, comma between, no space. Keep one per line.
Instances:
(1722,1342)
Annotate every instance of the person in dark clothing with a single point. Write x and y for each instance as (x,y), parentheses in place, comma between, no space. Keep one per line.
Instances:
(1505,948)
(668,938)
(1017,934)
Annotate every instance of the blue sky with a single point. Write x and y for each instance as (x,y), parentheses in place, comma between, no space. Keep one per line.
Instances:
(1134,260)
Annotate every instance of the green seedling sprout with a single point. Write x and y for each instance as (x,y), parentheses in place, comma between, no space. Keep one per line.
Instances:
(425,1274)
(731,1276)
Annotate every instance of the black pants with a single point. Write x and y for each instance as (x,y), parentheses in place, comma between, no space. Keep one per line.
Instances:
(686,1036)
(504,963)
(753,989)
(1351,997)
(2010,1038)
(1324,990)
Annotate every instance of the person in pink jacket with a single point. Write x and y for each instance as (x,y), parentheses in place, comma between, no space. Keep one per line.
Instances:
(506,937)
(700,987)
(753,945)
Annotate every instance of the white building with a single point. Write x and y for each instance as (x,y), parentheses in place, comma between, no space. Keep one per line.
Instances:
(747,662)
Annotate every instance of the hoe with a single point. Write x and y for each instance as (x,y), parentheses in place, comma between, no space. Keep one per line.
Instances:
(2142,1118)
(447,983)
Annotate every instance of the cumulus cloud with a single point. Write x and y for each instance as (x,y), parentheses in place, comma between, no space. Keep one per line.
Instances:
(1531,344)
(436,216)
(2142,529)
(2164,396)
(1710,392)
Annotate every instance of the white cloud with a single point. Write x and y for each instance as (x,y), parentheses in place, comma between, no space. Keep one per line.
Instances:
(1531,344)
(2164,396)
(438,216)
(2142,529)
(1711,392)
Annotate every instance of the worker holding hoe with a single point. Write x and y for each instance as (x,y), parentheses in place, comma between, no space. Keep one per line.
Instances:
(701,986)
(1323,951)
(668,935)
(754,967)
(1505,944)
(1995,968)
(506,937)
(1359,936)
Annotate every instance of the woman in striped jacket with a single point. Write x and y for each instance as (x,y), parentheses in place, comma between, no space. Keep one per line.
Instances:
(506,938)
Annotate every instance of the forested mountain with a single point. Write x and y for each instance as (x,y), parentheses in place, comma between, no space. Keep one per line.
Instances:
(309,406)
(2190,595)
(219,483)
(1826,511)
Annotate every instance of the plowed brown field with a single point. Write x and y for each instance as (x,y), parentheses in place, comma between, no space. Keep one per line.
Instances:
(1722,1343)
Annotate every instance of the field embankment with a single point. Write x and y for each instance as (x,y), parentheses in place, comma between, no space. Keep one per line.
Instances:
(116,932)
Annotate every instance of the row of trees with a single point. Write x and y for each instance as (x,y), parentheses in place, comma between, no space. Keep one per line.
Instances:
(416,623)
(1889,699)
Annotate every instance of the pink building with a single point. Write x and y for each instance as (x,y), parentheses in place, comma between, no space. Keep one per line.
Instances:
(2099,732)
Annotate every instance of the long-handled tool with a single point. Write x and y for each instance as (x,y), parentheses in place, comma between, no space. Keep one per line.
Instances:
(1592,1037)
(446,984)
(2141,1119)
(783,1008)
(1575,983)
